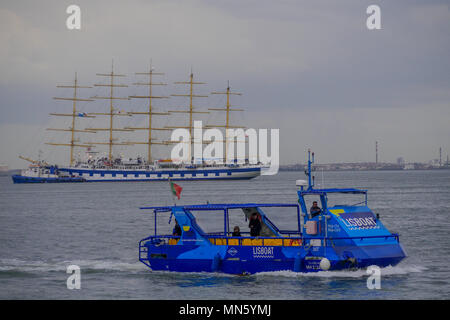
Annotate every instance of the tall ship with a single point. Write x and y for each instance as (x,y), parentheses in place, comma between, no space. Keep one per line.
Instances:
(96,167)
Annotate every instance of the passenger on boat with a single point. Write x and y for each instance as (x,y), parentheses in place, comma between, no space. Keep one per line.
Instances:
(315,210)
(177,229)
(254,225)
(236,232)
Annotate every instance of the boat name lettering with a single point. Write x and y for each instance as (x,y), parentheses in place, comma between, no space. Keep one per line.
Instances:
(359,219)
(263,252)
(359,222)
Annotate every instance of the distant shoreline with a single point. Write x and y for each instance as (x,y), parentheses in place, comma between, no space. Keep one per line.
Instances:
(365,167)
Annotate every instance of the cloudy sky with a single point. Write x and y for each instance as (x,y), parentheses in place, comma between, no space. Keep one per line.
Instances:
(310,68)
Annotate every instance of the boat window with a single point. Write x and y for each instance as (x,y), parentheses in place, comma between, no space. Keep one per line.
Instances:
(162,224)
(342,199)
(211,222)
(237,218)
(284,218)
(309,200)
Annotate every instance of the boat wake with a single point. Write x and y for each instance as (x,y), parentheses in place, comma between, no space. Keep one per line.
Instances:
(86,266)
(359,273)
(17,266)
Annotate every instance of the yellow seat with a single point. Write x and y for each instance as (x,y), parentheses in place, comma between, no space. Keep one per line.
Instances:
(173,241)
(273,242)
(247,242)
(257,242)
(233,242)
(221,242)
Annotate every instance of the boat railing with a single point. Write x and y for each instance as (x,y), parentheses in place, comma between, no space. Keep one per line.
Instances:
(293,238)
(255,241)
(156,240)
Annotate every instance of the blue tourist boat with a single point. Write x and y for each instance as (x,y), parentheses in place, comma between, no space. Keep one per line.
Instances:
(335,238)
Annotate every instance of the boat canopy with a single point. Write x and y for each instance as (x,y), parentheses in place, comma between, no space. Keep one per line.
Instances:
(331,190)
(219,206)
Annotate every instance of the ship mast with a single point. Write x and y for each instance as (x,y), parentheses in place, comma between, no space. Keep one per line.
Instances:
(75,113)
(112,113)
(150,141)
(191,110)
(228,109)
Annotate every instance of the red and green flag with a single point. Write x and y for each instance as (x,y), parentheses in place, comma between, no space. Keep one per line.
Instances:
(176,189)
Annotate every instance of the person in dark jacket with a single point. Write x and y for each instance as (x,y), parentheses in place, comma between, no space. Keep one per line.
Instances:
(315,210)
(254,225)
(236,232)
(177,229)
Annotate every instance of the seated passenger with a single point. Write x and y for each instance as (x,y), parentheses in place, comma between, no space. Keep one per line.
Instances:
(315,210)
(177,229)
(236,232)
(254,225)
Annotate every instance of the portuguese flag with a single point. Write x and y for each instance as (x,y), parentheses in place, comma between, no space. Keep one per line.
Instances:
(176,189)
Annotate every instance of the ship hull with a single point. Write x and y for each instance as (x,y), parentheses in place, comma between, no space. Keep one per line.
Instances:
(25,179)
(110,175)
(249,260)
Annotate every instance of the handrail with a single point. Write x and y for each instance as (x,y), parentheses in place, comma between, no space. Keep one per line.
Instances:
(303,238)
(393,235)
(223,206)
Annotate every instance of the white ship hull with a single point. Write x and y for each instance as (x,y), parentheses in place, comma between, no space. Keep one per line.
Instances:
(205,173)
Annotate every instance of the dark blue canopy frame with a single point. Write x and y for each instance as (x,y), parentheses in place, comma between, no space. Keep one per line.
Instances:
(225,208)
(334,190)
(321,192)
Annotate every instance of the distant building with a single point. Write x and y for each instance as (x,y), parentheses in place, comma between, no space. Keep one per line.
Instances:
(409,166)
(4,170)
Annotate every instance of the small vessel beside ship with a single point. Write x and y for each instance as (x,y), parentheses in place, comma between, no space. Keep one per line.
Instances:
(339,237)
(114,168)
(41,172)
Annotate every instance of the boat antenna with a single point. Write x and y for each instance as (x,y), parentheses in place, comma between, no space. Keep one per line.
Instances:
(323,184)
(308,173)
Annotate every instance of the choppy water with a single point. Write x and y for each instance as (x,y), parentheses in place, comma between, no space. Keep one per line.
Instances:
(97,226)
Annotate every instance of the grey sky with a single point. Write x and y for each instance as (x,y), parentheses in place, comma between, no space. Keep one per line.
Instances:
(310,68)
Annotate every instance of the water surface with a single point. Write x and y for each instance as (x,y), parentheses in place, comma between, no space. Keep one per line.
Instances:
(46,227)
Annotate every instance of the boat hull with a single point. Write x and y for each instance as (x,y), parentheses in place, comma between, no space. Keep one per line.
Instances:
(109,175)
(25,179)
(255,259)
